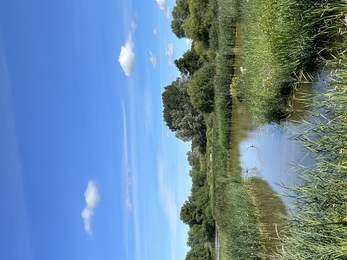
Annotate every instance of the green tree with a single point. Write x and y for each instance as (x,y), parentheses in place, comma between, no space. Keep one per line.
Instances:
(193,158)
(180,13)
(180,116)
(189,63)
(198,23)
(201,90)
(199,252)
(189,124)
(174,97)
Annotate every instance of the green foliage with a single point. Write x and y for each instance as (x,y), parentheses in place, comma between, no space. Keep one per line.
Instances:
(193,158)
(270,211)
(189,124)
(199,252)
(287,38)
(177,29)
(179,13)
(201,90)
(173,99)
(214,31)
(197,212)
(180,116)
(189,63)
(198,23)
(234,211)
(317,227)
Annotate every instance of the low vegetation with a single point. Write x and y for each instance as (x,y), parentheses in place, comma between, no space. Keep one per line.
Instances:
(282,42)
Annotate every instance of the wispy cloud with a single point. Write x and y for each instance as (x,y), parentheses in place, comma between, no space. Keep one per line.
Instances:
(128,204)
(148,111)
(92,199)
(155,31)
(133,25)
(164,6)
(169,52)
(166,196)
(15,211)
(127,56)
(153,59)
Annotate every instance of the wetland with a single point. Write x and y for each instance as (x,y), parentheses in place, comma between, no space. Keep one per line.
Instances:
(262,99)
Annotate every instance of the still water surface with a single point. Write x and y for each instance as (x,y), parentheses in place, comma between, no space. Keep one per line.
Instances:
(270,152)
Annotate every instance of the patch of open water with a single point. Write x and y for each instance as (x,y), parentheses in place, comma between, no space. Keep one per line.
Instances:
(270,152)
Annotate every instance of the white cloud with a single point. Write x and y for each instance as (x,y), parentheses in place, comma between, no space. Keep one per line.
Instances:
(133,25)
(153,59)
(155,30)
(189,42)
(127,56)
(128,204)
(92,199)
(163,6)
(168,134)
(169,52)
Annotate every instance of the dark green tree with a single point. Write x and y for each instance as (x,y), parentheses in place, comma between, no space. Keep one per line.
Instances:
(174,97)
(189,63)
(198,23)
(180,13)
(193,158)
(189,124)
(180,116)
(201,90)
(199,252)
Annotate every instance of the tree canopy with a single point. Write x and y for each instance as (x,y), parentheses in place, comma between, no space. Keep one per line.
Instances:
(180,13)
(189,63)
(201,90)
(180,116)
(174,97)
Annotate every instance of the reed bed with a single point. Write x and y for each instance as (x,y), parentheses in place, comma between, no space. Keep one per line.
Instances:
(280,40)
(228,11)
(317,227)
(233,209)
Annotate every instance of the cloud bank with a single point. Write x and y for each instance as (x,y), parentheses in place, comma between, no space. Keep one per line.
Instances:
(163,6)
(153,59)
(169,52)
(92,199)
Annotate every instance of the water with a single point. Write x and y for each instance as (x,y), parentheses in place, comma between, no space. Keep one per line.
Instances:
(271,153)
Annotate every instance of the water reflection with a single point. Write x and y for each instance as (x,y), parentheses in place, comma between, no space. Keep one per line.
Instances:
(271,153)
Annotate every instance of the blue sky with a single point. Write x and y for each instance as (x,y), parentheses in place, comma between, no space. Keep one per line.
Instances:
(89,170)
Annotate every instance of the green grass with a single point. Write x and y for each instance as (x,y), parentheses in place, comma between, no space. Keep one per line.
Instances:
(280,40)
(317,229)
(270,215)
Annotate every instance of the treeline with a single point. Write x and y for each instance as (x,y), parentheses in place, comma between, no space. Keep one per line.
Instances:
(191,95)
(187,101)
(197,212)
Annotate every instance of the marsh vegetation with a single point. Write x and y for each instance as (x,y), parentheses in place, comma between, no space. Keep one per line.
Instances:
(279,45)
